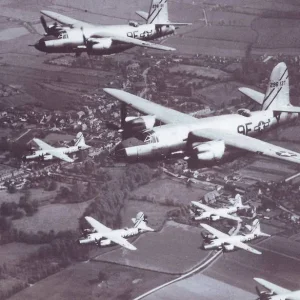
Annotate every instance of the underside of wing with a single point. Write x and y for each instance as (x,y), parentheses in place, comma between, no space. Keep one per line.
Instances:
(116,238)
(248,143)
(97,225)
(272,287)
(43,145)
(214,231)
(64,19)
(164,114)
(243,246)
(60,155)
(132,41)
(227,216)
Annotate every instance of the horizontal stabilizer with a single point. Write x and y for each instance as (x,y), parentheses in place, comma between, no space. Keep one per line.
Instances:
(173,24)
(288,109)
(144,15)
(254,95)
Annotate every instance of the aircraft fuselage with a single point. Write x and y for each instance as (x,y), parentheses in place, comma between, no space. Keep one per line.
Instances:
(96,39)
(168,140)
(101,241)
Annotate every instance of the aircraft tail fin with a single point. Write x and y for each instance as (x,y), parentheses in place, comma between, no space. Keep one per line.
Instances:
(278,91)
(238,201)
(158,12)
(256,229)
(140,222)
(80,141)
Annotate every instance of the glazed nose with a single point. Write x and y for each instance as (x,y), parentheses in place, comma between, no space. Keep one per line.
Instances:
(40,45)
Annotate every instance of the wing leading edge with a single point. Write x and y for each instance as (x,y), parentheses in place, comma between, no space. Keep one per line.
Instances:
(64,19)
(164,114)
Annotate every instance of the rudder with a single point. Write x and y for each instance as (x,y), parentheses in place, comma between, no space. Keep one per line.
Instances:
(278,91)
(158,12)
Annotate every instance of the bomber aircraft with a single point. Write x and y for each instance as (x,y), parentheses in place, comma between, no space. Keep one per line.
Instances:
(276,292)
(220,240)
(214,214)
(209,139)
(104,236)
(48,152)
(74,36)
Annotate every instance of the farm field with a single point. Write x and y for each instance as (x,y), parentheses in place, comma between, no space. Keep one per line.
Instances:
(83,278)
(220,94)
(177,250)
(161,190)
(39,195)
(201,287)
(279,263)
(57,217)
(13,253)
(209,73)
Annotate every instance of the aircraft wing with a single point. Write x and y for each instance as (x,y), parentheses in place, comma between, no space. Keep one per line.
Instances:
(214,231)
(273,287)
(64,19)
(243,246)
(164,114)
(132,41)
(60,155)
(116,238)
(43,145)
(248,143)
(228,216)
(203,206)
(97,225)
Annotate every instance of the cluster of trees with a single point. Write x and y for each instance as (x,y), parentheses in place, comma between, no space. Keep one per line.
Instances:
(108,205)
(60,251)
(17,210)
(79,192)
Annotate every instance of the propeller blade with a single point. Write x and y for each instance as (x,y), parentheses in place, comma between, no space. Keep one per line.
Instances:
(258,292)
(44,23)
(112,126)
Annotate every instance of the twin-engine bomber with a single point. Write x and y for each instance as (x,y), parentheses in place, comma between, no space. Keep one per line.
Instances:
(74,36)
(209,139)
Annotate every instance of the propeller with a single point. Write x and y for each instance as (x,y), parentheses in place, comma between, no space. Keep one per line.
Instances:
(44,23)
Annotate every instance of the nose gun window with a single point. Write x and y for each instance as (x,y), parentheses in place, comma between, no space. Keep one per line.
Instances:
(65,36)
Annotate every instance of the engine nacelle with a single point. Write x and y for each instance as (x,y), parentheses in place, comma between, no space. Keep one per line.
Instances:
(244,112)
(228,248)
(100,44)
(214,218)
(212,150)
(56,43)
(47,157)
(138,124)
(208,236)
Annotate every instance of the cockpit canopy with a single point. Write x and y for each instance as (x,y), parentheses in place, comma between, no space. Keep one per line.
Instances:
(63,35)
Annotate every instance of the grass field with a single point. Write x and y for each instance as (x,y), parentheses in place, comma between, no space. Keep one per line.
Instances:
(279,263)
(161,190)
(12,253)
(176,250)
(201,287)
(57,217)
(81,281)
